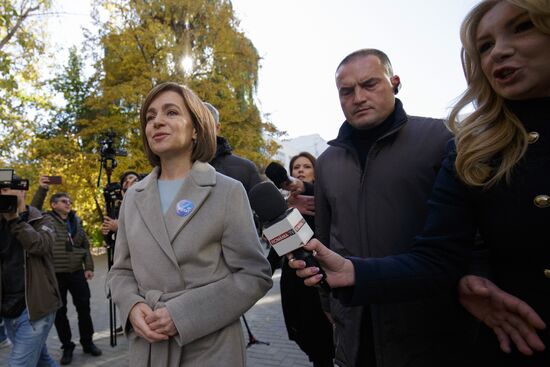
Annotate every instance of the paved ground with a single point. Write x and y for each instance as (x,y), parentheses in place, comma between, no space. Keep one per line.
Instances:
(265,320)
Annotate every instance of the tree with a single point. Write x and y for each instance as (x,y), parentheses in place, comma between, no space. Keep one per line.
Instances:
(21,45)
(59,145)
(145,42)
(140,44)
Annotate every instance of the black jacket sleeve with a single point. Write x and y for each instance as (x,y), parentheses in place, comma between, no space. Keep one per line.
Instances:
(439,256)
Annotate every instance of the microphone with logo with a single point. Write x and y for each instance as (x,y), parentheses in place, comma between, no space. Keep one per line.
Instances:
(284,228)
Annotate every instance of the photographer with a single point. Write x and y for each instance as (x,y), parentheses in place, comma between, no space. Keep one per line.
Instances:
(110,225)
(40,194)
(30,296)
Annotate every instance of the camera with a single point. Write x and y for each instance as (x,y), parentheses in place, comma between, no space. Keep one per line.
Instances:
(8,203)
(107,149)
(113,192)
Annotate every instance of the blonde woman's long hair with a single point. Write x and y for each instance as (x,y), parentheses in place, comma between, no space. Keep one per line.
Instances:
(491,140)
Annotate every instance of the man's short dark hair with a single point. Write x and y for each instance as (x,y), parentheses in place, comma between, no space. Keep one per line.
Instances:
(369,52)
(55,197)
(384,59)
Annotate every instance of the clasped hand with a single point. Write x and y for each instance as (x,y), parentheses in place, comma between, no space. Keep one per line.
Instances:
(153,326)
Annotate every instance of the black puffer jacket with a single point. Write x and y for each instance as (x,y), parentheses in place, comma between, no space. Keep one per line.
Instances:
(236,167)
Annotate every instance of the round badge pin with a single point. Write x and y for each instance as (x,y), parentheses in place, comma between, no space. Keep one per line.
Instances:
(184,207)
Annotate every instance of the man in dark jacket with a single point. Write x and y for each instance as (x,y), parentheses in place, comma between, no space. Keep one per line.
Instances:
(371,188)
(238,168)
(29,296)
(229,164)
(74,267)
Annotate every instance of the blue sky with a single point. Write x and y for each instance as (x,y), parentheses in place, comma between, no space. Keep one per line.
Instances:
(302,41)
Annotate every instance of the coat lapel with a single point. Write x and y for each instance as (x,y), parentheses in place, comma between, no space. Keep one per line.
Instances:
(193,193)
(148,206)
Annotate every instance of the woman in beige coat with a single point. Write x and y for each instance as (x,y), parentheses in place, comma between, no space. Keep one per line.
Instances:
(187,259)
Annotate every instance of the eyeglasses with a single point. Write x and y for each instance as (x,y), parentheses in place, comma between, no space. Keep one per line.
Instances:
(64,201)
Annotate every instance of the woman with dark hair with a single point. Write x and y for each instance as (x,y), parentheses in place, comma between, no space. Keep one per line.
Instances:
(302,167)
(187,261)
(305,321)
(495,181)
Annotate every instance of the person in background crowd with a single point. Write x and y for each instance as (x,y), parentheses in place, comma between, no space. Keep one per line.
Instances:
(371,188)
(494,181)
(238,168)
(302,167)
(305,320)
(188,261)
(29,294)
(74,267)
(41,193)
(110,225)
(229,164)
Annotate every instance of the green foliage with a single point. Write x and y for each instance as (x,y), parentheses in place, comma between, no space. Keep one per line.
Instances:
(145,43)
(21,46)
(138,45)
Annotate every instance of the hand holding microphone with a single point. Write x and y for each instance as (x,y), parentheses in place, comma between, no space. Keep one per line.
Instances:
(337,270)
(282,180)
(285,229)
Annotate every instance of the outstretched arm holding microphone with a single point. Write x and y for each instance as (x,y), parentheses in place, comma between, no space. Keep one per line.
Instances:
(512,319)
(339,270)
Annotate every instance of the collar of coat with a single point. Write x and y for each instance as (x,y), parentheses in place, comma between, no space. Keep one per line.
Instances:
(202,174)
(165,227)
(71,220)
(222,147)
(346,130)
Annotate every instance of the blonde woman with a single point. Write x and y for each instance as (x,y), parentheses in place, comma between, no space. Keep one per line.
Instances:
(187,259)
(495,181)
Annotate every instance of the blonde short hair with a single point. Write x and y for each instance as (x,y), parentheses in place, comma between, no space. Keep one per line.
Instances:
(204,148)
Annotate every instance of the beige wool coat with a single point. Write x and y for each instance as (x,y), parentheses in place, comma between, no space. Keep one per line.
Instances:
(202,260)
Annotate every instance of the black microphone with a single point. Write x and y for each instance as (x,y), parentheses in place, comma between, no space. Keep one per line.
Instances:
(285,228)
(277,173)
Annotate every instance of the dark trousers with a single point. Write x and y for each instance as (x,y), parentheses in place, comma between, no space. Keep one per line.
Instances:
(77,284)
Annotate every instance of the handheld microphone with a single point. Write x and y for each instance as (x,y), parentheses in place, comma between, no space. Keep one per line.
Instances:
(285,229)
(277,173)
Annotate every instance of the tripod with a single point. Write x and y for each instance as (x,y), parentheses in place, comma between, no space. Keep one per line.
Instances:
(251,338)
(109,164)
